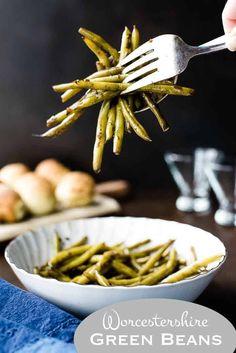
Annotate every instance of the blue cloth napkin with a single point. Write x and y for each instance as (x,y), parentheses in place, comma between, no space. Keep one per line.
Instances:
(29,324)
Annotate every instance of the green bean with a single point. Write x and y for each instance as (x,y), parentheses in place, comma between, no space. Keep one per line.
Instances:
(136,126)
(172,261)
(55,274)
(91,98)
(100,42)
(125,47)
(89,272)
(83,258)
(154,277)
(141,260)
(104,260)
(68,254)
(90,84)
(95,272)
(154,258)
(113,78)
(182,262)
(166,253)
(194,254)
(64,125)
(83,268)
(138,244)
(119,130)
(163,259)
(156,111)
(96,85)
(161,271)
(82,84)
(106,72)
(101,261)
(87,99)
(124,282)
(100,136)
(99,66)
(81,279)
(57,119)
(168,89)
(137,102)
(95,258)
(68,94)
(120,276)
(82,241)
(111,123)
(120,267)
(101,55)
(127,126)
(101,279)
(117,245)
(68,261)
(134,263)
(116,86)
(191,270)
(135,37)
(36,270)
(96,75)
(130,100)
(57,243)
(156,266)
(146,252)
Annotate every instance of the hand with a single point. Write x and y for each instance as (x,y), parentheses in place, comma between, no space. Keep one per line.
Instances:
(229,23)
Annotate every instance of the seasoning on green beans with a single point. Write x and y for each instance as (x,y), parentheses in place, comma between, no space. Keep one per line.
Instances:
(119,130)
(107,85)
(120,265)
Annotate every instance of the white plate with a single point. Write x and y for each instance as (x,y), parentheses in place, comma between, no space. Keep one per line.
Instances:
(101,206)
(35,249)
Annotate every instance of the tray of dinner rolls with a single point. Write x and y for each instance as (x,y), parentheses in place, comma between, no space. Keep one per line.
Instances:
(51,193)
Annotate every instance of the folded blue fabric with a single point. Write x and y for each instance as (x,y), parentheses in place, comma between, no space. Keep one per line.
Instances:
(30,324)
(16,338)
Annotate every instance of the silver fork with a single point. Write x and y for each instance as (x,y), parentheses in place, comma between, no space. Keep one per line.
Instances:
(163,57)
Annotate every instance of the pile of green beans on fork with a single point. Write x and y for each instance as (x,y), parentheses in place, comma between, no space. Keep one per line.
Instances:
(116,114)
(120,265)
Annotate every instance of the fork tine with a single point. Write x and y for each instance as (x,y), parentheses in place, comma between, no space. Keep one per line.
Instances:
(146,47)
(144,70)
(149,79)
(139,62)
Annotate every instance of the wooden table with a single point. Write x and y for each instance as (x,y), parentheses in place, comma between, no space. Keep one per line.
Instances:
(221,293)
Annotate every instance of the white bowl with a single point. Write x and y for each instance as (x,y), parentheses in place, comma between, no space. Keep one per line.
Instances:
(35,248)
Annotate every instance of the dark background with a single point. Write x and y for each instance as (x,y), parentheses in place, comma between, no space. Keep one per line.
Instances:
(40,46)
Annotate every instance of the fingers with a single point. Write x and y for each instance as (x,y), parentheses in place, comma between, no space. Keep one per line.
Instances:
(229,16)
(231,40)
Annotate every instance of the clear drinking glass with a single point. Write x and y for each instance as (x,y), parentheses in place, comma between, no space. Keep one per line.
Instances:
(188,171)
(222,178)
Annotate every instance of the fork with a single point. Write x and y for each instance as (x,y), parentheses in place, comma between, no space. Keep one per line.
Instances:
(163,57)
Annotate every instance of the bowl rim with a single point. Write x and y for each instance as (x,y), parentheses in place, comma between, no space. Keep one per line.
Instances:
(99,287)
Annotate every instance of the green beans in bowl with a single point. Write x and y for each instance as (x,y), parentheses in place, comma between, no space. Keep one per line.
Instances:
(84,265)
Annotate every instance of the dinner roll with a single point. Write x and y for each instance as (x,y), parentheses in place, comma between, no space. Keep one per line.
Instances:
(75,189)
(36,192)
(11,172)
(52,170)
(12,208)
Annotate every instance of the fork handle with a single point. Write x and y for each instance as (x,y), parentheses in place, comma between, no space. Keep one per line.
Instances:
(212,46)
